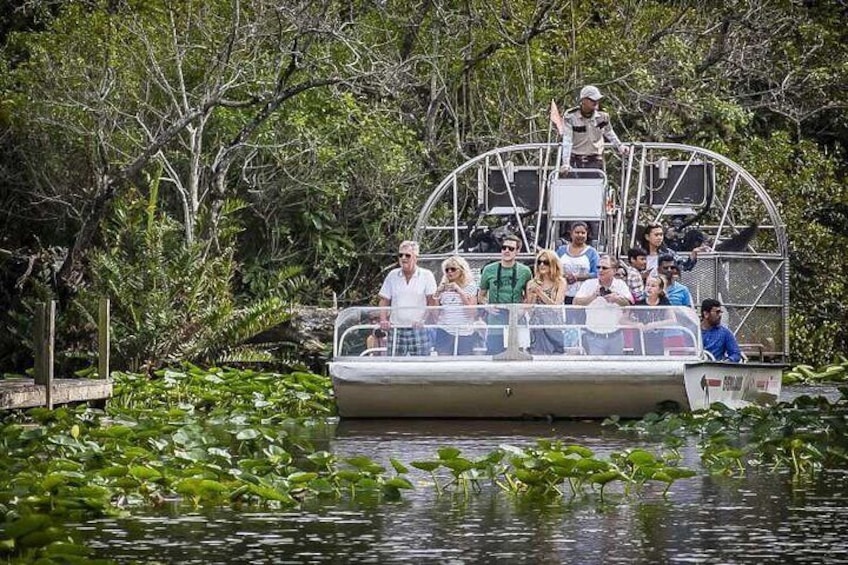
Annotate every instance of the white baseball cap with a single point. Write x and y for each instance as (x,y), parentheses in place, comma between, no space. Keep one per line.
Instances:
(591,92)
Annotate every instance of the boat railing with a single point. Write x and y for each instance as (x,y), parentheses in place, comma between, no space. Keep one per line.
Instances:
(516,332)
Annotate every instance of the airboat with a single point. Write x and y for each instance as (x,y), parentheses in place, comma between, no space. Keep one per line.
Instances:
(519,190)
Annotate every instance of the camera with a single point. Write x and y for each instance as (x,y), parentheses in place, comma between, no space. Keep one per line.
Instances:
(379,333)
(603,291)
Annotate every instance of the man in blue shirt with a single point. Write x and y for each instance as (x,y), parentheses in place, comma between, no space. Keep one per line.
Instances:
(717,339)
(678,294)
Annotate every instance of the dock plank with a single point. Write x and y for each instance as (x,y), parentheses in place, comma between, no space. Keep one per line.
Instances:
(24,393)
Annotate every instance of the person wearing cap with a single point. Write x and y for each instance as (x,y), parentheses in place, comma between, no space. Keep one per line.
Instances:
(585,130)
(717,339)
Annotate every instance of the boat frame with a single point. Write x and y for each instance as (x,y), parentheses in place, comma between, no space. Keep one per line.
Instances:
(518,190)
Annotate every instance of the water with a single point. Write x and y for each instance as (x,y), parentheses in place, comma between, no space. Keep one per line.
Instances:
(762,518)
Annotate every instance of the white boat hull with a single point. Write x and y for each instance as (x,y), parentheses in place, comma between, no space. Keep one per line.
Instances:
(584,388)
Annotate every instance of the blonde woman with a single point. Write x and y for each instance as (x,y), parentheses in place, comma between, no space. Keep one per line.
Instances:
(547,289)
(457,295)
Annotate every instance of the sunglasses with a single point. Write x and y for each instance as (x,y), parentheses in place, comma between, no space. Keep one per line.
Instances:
(508,248)
(451,269)
(604,268)
(404,255)
(543,262)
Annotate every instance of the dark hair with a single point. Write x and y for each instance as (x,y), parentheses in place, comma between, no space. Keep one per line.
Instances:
(708,304)
(649,228)
(667,258)
(634,252)
(578,224)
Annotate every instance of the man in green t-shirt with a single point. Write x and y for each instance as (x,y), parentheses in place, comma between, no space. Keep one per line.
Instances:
(503,282)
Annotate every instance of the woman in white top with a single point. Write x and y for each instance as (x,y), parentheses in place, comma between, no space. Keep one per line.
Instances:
(457,295)
(579,260)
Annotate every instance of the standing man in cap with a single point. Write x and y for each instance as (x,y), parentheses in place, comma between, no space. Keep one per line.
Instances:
(584,130)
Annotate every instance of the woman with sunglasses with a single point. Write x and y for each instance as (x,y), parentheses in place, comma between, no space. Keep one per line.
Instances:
(457,295)
(546,289)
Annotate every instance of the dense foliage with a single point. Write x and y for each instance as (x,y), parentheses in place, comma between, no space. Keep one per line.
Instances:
(241,143)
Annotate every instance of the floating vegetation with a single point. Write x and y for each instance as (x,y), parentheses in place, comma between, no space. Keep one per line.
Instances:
(807,374)
(190,436)
(801,437)
(211,437)
(544,470)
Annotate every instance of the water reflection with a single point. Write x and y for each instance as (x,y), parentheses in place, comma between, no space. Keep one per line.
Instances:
(756,520)
(762,518)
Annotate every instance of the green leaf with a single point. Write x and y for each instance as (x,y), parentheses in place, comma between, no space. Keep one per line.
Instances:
(360,461)
(448,453)
(52,481)
(40,538)
(641,457)
(27,524)
(248,433)
(399,467)
(269,493)
(116,431)
(321,458)
(144,473)
(322,485)
(428,466)
(579,450)
(605,477)
(301,477)
(348,475)
(399,482)
(458,464)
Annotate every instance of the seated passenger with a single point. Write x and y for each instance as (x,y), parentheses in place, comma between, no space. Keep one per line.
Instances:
(650,319)
(604,297)
(457,294)
(547,288)
(717,339)
(653,239)
(678,294)
(636,267)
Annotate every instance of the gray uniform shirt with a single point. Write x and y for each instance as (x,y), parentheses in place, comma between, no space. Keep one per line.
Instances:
(586,136)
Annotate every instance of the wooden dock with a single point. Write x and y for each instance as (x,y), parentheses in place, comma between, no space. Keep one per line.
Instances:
(18,393)
(45,389)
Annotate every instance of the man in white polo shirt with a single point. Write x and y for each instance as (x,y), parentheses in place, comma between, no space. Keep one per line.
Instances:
(603,298)
(408,289)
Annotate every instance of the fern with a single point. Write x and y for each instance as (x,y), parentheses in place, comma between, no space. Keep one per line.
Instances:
(173,301)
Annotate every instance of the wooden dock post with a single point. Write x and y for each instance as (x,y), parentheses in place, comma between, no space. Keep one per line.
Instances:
(44,329)
(46,390)
(103,339)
